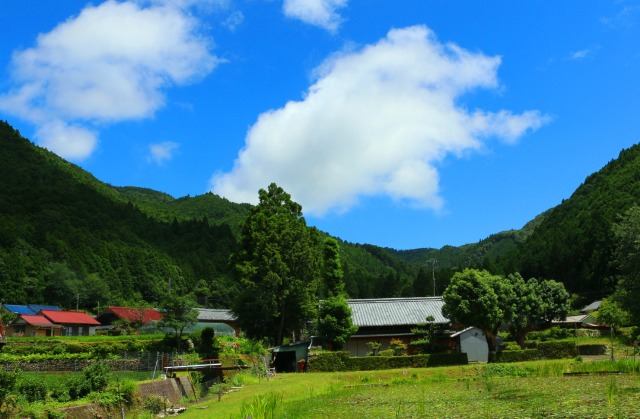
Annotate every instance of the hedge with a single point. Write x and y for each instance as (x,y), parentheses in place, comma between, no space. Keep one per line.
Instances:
(592,349)
(341,361)
(558,349)
(518,355)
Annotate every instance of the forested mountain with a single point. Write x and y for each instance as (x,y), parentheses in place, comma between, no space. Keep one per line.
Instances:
(66,238)
(574,244)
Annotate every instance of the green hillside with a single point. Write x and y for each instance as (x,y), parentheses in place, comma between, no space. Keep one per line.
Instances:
(67,238)
(574,243)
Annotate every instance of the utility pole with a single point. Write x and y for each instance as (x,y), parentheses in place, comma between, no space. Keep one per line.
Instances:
(433,273)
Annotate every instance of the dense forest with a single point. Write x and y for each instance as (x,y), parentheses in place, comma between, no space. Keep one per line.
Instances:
(67,238)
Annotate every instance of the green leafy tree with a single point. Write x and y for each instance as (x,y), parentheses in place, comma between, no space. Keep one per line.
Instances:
(536,304)
(477,298)
(555,300)
(177,314)
(612,313)
(279,268)
(335,323)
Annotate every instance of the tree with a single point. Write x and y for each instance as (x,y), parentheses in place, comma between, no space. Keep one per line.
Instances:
(536,304)
(626,256)
(556,302)
(421,283)
(612,313)
(425,335)
(332,272)
(177,314)
(278,265)
(335,323)
(477,298)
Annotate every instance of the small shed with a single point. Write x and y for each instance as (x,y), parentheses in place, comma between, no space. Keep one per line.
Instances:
(286,358)
(473,342)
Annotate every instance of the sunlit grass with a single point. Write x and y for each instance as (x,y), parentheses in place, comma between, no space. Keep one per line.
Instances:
(533,389)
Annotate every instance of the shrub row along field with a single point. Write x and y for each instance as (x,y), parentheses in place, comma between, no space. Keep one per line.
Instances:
(533,389)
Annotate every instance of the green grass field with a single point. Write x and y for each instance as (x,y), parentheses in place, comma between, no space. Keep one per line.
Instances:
(535,389)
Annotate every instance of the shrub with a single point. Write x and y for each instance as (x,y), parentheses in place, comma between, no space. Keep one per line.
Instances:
(78,387)
(97,376)
(386,352)
(326,362)
(557,349)
(592,349)
(155,404)
(518,355)
(32,389)
(329,361)
(375,348)
(398,347)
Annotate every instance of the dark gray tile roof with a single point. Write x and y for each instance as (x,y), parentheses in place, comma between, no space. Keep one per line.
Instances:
(214,314)
(396,311)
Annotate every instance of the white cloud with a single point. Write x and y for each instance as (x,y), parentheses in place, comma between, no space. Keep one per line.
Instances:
(375,122)
(580,55)
(162,152)
(322,13)
(234,20)
(71,141)
(110,63)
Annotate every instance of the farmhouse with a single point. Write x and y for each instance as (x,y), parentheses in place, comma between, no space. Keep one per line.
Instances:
(33,325)
(382,319)
(74,323)
(131,316)
(217,319)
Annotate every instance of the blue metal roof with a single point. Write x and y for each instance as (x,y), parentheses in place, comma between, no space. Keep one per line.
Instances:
(18,309)
(36,308)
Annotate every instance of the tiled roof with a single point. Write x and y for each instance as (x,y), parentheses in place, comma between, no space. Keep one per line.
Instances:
(35,320)
(592,307)
(134,314)
(18,309)
(214,314)
(396,311)
(69,317)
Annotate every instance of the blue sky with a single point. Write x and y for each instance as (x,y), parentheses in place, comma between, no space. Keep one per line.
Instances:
(404,124)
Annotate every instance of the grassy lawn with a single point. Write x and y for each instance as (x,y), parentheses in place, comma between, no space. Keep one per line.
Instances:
(524,390)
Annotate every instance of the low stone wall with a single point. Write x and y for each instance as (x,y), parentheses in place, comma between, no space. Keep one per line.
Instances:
(172,389)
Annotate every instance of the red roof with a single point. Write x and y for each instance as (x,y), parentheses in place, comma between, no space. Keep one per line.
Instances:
(135,314)
(36,320)
(69,317)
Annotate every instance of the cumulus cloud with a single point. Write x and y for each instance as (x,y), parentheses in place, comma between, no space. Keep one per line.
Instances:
(110,63)
(375,122)
(322,13)
(162,152)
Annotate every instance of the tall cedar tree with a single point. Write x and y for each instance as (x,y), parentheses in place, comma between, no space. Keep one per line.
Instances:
(279,264)
(333,275)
